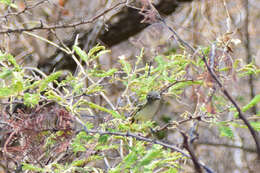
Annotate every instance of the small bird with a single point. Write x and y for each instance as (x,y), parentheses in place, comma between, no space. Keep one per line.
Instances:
(147,111)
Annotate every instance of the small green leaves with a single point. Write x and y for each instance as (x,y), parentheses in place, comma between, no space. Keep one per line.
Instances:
(154,153)
(256,125)
(10,59)
(139,159)
(252,103)
(13,89)
(249,69)
(93,53)
(30,167)
(130,159)
(103,139)
(181,85)
(31,99)
(225,130)
(103,109)
(97,51)
(102,73)
(78,163)
(82,54)
(245,108)
(9,3)
(6,73)
(52,77)
(126,66)
(6,92)
(78,144)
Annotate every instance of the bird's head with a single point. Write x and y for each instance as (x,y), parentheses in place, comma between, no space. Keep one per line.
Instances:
(153,95)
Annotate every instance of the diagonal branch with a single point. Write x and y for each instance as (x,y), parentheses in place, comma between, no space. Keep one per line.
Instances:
(224,91)
(61,26)
(187,145)
(141,138)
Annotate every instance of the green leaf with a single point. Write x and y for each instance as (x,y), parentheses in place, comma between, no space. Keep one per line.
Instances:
(31,99)
(130,159)
(126,66)
(80,141)
(255,125)
(78,163)
(249,69)
(151,155)
(9,3)
(76,147)
(103,139)
(83,136)
(225,131)
(82,54)
(252,103)
(31,168)
(171,170)
(95,106)
(77,87)
(17,86)
(206,50)
(6,92)
(52,77)
(101,73)
(95,50)
(6,73)
(52,95)
(182,85)
(102,52)
(10,59)
(139,57)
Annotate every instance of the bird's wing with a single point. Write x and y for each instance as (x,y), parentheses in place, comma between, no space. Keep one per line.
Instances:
(134,112)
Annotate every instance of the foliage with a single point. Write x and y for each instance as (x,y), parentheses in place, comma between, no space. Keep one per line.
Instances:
(9,3)
(80,121)
(51,125)
(59,120)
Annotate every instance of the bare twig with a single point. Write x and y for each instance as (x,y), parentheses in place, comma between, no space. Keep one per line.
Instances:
(248,54)
(189,148)
(225,92)
(24,10)
(212,74)
(247,149)
(199,118)
(59,26)
(172,84)
(240,114)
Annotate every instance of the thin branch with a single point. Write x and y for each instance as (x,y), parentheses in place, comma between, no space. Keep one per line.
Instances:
(240,114)
(199,118)
(59,26)
(172,84)
(225,92)
(247,149)
(248,54)
(24,10)
(189,148)
(141,138)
